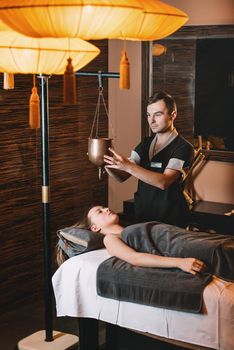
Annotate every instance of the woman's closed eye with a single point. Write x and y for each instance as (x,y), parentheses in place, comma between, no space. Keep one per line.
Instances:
(101,210)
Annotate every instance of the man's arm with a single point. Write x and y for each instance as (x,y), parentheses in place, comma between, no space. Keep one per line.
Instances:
(159,180)
(117,174)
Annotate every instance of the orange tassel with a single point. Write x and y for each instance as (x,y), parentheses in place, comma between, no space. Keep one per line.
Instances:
(124,80)
(69,84)
(34,107)
(8,81)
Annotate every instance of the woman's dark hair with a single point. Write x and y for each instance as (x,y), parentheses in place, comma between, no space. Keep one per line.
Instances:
(167,98)
(60,256)
(84,223)
(85,220)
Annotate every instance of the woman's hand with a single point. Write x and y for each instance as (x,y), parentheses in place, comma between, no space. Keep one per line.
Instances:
(191,265)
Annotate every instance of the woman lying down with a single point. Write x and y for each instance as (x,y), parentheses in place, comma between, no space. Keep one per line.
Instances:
(157,245)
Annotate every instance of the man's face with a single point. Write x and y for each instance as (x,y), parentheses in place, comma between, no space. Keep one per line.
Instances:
(159,119)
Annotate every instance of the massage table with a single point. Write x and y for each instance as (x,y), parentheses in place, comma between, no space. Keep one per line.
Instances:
(74,285)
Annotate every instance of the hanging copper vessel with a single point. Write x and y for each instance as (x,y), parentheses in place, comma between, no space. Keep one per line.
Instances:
(97,148)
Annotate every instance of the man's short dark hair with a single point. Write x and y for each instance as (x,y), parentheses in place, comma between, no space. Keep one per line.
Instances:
(167,98)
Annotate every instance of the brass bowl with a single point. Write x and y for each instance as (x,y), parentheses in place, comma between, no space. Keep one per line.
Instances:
(97,148)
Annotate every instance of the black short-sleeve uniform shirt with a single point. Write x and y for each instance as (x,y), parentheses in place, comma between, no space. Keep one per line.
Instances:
(169,205)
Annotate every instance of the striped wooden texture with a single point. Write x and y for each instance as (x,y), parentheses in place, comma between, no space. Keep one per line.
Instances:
(175,71)
(74,182)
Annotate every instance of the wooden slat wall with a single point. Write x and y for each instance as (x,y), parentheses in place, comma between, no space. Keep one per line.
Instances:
(175,72)
(73,179)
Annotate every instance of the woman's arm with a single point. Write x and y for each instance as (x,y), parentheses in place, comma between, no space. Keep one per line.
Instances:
(118,248)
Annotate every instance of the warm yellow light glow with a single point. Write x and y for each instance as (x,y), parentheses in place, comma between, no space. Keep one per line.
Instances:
(93,19)
(86,19)
(21,54)
(156,21)
(158,49)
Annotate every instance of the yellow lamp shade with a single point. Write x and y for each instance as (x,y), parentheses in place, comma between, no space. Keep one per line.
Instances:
(156,21)
(158,50)
(86,19)
(22,54)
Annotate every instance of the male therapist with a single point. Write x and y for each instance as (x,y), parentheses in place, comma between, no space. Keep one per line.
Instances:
(159,163)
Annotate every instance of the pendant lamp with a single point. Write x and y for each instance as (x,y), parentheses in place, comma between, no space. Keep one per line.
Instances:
(158,50)
(93,19)
(156,21)
(21,54)
(86,19)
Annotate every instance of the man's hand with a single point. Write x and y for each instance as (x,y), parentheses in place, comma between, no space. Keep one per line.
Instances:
(117,161)
(160,180)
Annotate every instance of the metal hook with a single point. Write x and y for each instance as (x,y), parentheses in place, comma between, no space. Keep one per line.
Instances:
(100,80)
(99,173)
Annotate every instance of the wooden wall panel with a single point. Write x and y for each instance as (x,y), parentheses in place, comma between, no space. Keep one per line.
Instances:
(74,182)
(175,71)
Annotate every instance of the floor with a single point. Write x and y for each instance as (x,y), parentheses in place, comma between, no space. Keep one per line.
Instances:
(27,319)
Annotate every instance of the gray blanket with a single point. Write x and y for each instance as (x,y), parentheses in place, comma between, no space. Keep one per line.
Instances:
(217,251)
(168,288)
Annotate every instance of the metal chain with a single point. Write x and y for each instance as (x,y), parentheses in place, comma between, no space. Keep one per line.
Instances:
(107,113)
(97,114)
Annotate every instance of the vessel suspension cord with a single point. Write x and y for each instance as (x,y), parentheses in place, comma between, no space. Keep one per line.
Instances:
(94,145)
(100,75)
(96,115)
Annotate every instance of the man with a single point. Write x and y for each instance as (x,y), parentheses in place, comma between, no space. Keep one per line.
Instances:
(159,162)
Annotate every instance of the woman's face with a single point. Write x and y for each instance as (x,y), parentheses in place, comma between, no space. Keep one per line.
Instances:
(101,217)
